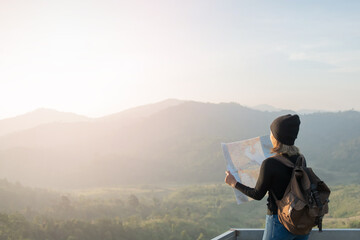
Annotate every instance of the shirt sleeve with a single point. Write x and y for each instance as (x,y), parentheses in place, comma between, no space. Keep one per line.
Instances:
(262,184)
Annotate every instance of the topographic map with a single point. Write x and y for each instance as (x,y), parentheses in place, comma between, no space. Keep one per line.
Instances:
(243,160)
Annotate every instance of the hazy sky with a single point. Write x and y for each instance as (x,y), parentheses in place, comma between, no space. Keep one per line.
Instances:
(100,57)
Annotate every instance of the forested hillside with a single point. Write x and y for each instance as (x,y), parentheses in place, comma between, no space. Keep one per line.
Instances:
(137,212)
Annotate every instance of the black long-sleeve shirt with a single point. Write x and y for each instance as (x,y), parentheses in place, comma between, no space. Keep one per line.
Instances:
(274,177)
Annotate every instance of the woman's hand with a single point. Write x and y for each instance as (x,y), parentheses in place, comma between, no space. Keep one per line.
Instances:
(230,179)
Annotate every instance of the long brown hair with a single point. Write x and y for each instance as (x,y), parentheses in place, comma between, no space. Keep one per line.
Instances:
(281,148)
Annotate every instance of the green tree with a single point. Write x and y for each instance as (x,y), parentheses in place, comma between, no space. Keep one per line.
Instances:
(133,201)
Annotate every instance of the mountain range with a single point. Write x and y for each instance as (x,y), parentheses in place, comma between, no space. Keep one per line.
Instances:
(173,142)
(269,108)
(35,118)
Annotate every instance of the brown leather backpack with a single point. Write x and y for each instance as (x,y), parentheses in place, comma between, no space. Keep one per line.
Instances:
(305,200)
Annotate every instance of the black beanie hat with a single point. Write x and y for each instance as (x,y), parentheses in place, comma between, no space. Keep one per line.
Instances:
(286,128)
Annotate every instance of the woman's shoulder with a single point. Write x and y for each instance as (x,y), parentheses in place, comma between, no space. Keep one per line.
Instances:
(272,160)
(272,166)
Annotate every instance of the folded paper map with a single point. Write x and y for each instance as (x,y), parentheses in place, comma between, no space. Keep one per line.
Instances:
(243,160)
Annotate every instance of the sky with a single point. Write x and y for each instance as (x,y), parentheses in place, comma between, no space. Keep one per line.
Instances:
(100,57)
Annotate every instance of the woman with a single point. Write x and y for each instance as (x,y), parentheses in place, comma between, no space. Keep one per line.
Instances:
(275,176)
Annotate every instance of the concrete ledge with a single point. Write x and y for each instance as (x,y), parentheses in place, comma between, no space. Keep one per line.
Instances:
(326,234)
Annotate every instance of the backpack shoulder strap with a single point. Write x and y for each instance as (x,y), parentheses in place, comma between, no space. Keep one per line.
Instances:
(300,161)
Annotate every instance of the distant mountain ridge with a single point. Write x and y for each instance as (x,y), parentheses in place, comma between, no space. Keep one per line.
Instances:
(142,111)
(35,118)
(42,116)
(269,108)
(176,143)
